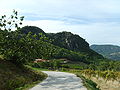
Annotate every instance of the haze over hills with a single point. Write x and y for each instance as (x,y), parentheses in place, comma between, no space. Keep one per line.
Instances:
(109,51)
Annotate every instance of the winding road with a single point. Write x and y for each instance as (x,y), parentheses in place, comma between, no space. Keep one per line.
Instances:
(60,81)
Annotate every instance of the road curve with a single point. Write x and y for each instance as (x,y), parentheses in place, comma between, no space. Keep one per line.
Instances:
(60,81)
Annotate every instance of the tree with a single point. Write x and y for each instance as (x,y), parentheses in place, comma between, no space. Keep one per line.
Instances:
(9,40)
(13,21)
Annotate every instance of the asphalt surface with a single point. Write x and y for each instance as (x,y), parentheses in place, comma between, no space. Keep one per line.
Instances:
(60,81)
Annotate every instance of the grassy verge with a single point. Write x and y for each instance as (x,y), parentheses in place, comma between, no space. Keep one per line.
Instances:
(18,78)
(89,84)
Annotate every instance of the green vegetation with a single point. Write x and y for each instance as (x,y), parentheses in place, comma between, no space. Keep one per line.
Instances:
(73,42)
(51,65)
(90,85)
(57,41)
(12,76)
(21,47)
(13,21)
(69,41)
(107,75)
(14,54)
(108,80)
(109,51)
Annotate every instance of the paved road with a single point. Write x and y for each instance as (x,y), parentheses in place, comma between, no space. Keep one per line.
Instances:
(60,81)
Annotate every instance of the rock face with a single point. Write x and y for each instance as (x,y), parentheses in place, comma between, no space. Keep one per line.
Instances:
(72,42)
(109,51)
(69,41)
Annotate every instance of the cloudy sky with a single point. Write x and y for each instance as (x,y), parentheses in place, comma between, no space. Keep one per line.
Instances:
(97,21)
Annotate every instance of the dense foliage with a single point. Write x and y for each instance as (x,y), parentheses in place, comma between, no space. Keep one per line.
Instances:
(24,48)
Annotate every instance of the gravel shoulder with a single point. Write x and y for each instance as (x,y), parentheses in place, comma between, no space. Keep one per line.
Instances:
(60,81)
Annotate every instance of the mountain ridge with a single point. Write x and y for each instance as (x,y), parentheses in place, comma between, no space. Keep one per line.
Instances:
(65,40)
(107,50)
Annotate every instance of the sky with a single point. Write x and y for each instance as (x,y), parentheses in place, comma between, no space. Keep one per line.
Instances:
(97,21)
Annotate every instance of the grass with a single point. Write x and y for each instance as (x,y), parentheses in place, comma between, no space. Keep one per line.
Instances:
(23,78)
(107,85)
(18,78)
(89,84)
(1,57)
(28,86)
(39,69)
(75,68)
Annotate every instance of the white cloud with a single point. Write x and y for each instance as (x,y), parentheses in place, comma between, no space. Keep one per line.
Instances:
(95,33)
(83,8)
(48,25)
(95,20)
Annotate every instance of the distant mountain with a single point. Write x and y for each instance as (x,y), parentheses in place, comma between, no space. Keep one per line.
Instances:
(109,51)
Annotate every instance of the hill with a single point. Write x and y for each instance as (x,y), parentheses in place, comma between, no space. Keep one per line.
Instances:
(69,41)
(12,76)
(65,40)
(72,42)
(33,29)
(109,51)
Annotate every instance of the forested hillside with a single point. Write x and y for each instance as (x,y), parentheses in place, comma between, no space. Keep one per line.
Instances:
(69,41)
(109,51)
(65,40)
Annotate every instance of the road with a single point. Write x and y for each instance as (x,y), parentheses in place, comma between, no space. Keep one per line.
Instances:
(60,81)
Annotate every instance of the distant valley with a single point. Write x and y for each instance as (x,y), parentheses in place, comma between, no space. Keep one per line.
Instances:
(108,51)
